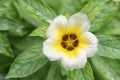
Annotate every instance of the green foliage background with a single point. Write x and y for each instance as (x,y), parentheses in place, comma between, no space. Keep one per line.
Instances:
(23,25)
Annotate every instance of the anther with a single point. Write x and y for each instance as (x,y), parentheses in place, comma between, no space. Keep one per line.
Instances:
(73,36)
(75,43)
(70,48)
(65,37)
(64,45)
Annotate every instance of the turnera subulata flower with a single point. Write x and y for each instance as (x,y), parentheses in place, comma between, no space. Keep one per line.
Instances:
(70,41)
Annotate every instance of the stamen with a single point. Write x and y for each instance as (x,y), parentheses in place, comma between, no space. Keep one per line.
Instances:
(64,45)
(65,37)
(70,48)
(73,36)
(69,41)
(75,43)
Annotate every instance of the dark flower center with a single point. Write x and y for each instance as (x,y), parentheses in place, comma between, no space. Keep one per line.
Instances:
(69,42)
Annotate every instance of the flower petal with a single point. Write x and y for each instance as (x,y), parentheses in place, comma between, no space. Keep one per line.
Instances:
(50,51)
(78,62)
(57,23)
(79,20)
(91,41)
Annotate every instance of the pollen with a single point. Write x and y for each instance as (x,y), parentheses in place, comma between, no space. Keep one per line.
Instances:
(69,42)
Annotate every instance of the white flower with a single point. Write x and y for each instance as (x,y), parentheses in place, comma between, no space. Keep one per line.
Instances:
(69,41)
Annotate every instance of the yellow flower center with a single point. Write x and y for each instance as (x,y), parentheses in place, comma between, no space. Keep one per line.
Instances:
(69,41)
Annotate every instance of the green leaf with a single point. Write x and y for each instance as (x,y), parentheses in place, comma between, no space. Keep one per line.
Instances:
(5,63)
(27,62)
(15,28)
(18,32)
(106,68)
(113,27)
(54,72)
(26,42)
(5,47)
(35,11)
(55,5)
(109,46)
(104,17)
(7,9)
(71,7)
(40,74)
(3,6)
(93,8)
(7,24)
(80,74)
(40,31)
